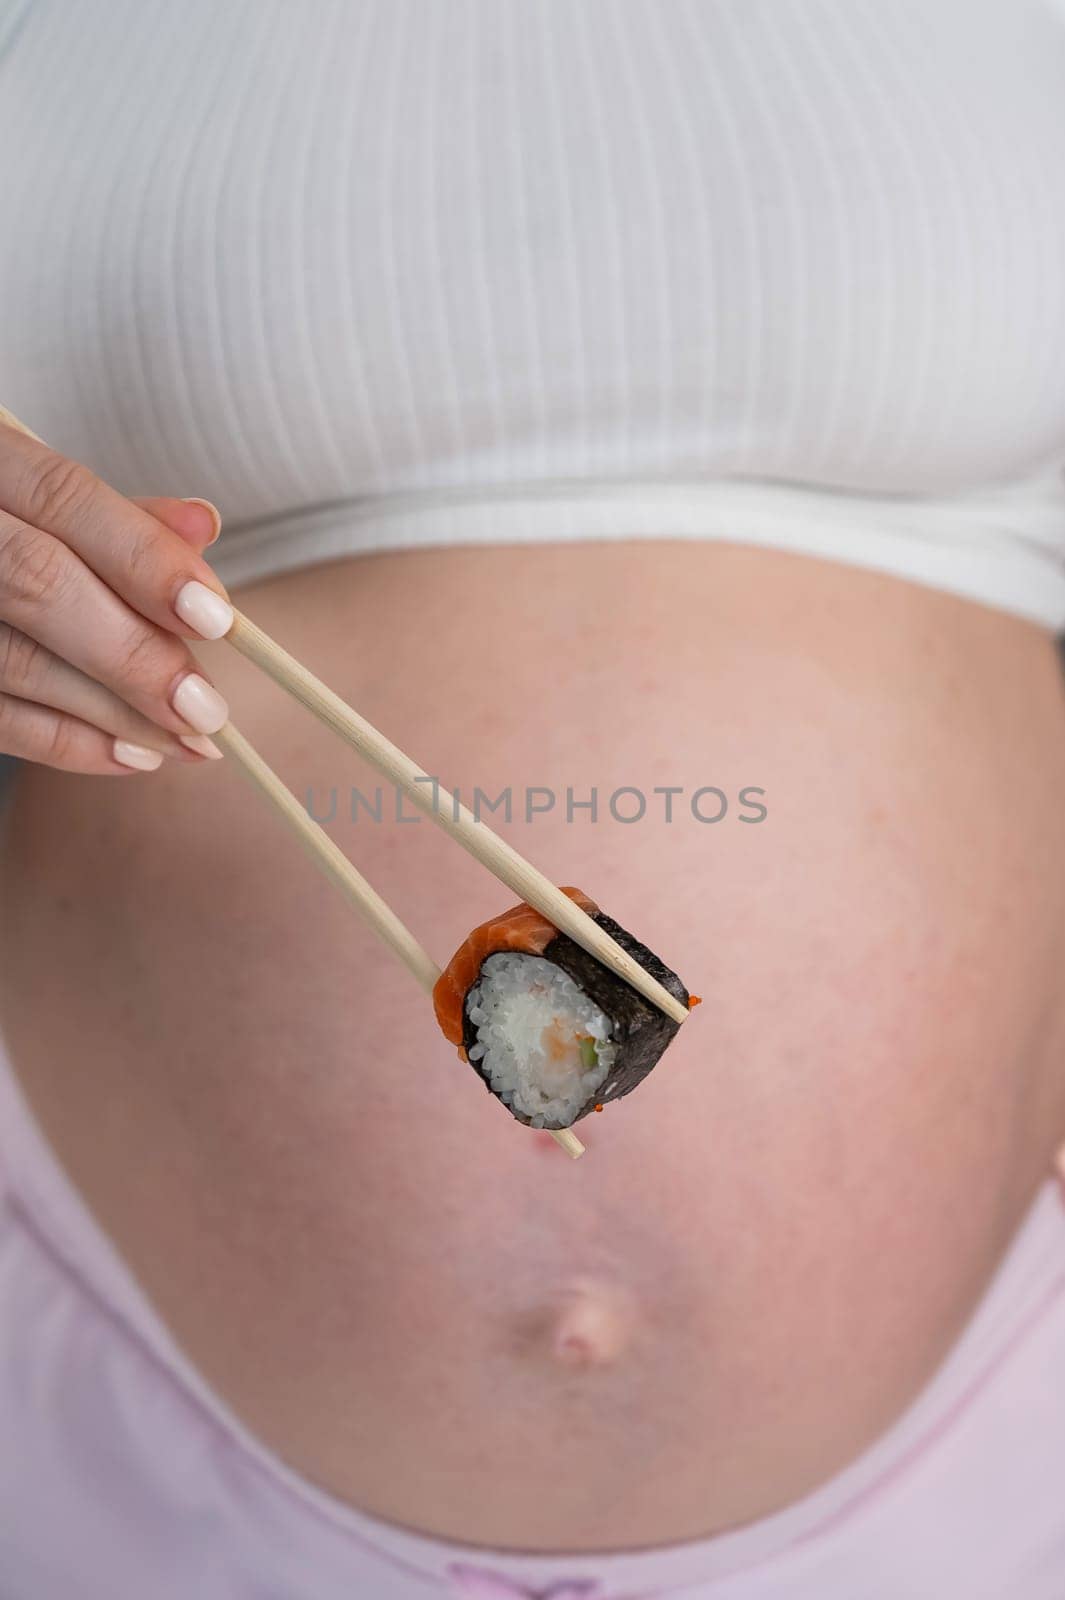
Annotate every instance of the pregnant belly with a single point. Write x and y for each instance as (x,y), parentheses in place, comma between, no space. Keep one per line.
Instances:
(422,1305)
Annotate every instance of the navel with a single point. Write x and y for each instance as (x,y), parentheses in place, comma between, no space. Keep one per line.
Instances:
(591,1325)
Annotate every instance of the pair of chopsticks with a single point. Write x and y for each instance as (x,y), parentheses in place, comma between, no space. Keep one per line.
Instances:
(501,859)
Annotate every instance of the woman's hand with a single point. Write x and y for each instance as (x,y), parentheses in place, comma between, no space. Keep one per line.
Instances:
(97,595)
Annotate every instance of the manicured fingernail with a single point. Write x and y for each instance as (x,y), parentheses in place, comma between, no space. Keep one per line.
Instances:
(202,745)
(203,610)
(136,755)
(209,506)
(202,707)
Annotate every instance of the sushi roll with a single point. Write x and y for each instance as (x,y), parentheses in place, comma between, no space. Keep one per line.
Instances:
(552,1032)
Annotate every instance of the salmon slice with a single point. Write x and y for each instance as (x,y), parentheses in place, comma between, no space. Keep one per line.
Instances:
(521,928)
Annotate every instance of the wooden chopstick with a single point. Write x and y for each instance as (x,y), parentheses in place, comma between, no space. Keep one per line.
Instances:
(501,859)
(330,858)
(336,866)
(19,427)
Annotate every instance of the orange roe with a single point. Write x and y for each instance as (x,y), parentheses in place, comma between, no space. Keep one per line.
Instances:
(694,1000)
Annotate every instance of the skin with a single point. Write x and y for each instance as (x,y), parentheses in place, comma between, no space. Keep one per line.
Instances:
(770,1246)
(91,645)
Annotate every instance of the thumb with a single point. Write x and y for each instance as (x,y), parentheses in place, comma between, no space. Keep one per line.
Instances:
(198,522)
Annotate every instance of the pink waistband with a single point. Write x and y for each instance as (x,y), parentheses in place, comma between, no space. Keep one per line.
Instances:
(1028,1287)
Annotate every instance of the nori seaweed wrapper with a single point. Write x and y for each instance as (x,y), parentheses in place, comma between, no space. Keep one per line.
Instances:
(640,1030)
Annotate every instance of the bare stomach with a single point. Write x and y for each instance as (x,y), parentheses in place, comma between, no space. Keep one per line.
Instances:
(420,1304)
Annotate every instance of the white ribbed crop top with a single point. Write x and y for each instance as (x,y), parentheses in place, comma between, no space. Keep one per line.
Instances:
(373,273)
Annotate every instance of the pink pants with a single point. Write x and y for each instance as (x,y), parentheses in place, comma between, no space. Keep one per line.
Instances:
(123,1477)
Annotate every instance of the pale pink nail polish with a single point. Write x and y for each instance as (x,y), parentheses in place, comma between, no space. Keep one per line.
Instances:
(201,706)
(202,745)
(136,755)
(208,505)
(203,610)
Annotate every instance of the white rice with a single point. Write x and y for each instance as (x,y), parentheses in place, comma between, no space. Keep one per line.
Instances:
(530,1019)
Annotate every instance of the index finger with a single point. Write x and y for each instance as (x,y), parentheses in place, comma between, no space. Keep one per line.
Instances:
(137,556)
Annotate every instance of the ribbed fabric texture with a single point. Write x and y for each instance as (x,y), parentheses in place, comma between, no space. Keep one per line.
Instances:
(790,271)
